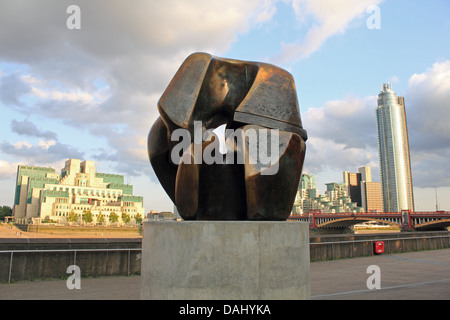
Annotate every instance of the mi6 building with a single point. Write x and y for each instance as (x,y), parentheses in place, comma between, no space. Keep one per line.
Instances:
(43,193)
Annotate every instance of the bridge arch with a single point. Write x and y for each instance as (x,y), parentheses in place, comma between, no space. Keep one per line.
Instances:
(442,224)
(351,221)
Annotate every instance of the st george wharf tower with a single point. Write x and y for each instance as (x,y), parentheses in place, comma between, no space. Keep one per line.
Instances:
(393,145)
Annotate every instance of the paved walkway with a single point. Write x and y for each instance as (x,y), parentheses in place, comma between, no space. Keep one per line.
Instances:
(417,275)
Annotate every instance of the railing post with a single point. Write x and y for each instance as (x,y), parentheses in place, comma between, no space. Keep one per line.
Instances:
(353,249)
(10,267)
(128,264)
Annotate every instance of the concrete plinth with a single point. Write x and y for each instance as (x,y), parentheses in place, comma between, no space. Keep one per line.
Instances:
(225,260)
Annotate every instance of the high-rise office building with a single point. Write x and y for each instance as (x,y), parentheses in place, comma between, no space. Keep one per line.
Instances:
(371,192)
(352,182)
(363,191)
(393,144)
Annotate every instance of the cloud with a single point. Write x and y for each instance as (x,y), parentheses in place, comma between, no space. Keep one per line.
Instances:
(7,170)
(428,94)
(342,135)
(107,77)
(329,18)
(44,152)
(12,88)
(28,128)
(426,101)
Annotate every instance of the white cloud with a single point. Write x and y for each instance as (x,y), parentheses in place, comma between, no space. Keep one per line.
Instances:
(42,153)
(342,137)
(428,96)
(22,144)
(45,144)
(427,100)
(349,121)
(134,50)
(7,170)
(330,17)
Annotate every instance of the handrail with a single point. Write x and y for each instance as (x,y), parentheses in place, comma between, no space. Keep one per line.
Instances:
(385,239)
(69,250)
(431,213)
(11,252)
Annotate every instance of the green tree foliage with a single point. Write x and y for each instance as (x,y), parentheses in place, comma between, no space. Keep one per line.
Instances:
(5,211)
(87,216)
(125,218)
(138,218)
(72,217)
(113,217)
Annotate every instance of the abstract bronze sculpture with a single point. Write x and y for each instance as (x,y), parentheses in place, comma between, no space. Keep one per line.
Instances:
(258,103)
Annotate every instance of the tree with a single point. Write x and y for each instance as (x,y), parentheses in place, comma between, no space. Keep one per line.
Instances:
(5,211)
(100,218)
(72,217)
(87,216)
(113,217)
(138,218)
(125,218)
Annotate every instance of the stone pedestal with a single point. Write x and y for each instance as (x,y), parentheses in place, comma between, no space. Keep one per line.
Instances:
(225,260)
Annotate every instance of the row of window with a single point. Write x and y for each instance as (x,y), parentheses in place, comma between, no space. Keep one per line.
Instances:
(88,207)
(92,192)
(66,214)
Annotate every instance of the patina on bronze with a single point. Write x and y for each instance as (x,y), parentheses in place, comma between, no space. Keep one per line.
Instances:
(241,95)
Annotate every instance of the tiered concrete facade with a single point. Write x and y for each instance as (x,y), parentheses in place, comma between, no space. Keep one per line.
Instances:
(78,189)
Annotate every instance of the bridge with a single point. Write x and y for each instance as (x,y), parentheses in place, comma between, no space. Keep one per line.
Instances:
(406,220)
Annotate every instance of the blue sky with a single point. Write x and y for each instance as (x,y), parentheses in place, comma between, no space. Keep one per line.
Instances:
(92,93)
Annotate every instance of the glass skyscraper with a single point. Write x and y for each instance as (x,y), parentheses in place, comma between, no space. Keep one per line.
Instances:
(395,163)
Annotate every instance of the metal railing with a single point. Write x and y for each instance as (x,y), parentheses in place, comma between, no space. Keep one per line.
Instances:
(332,245)
(11,252)
(387,241)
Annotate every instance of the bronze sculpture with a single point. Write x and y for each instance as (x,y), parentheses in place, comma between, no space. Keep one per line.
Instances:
(258,103)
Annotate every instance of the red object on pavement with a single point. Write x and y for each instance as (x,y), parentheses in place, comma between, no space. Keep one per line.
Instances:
(378,247)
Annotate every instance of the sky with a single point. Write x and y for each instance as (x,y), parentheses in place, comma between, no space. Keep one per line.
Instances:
(91,92)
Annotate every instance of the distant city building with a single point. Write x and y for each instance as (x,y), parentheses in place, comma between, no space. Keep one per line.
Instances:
(373,196)
(352,181)
(78,189)
(371,192)
(362,190)
(335,199)
(395,164)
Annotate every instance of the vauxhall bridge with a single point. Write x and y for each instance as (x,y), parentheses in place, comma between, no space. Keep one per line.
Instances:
(406,220)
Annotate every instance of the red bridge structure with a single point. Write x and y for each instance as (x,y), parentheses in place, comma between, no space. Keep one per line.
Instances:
(406,220)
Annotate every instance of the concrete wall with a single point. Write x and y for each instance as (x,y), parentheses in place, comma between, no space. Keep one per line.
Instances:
(329,247)
(225,260)
(32,261)
(27,266)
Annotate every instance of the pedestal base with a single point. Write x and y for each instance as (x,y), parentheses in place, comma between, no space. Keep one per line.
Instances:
(225,260)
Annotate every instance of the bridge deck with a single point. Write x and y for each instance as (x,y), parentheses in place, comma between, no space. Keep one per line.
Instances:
(439,220)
